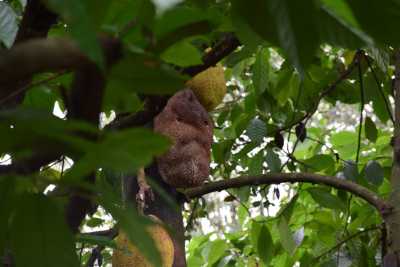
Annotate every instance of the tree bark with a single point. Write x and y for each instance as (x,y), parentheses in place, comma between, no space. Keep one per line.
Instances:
(393,218)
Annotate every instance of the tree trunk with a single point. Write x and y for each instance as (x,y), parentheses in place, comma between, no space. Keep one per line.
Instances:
(392,258)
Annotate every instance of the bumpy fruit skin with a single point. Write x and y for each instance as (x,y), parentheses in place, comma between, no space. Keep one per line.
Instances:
(133,258)
(209,86)
(188,125)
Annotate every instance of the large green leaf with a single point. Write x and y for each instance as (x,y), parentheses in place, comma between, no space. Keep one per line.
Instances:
(261,71)
(321,163)
(132,224)
(125,150)
(40,236)
(286,236)
(377,17)
(182,54)
(265,245)
(76,15)
(374,173)
(46,132)
(290,23)
(41,97)
(7,203)
(344,30)
(326,199)
(145,75)
(350,170)
(256,130)
(262,24)
(273,161)
(214,251)
(256,164)
(296,28)
(345,143)
(8,24)
(370,130)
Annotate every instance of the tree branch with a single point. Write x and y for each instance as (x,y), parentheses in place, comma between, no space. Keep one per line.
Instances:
(392,221)
(350,237)
(223,48)
(343,76)
(278,178)
(37,56)
(36,22)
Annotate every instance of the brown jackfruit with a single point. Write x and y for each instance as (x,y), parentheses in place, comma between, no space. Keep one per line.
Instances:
(128,255)
(186,122)
(209,86)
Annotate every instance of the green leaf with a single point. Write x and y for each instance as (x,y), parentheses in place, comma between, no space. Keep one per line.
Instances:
(8,24)
(374,93)
(344,31)
(145,75)
(350,170)
(265,245)
(326,199)
(248,25)
(285,236)
(41,97)
(182,54)
(370,130)
(291,19)
(345,143)
(129,221)
(215,251)
(256,130)
(124,150)
(40,236)
(374,173)
(261,71)
(273,160)
(256,164)
(94,222)
(7,203)
(287,210)
(75,14)
(46,132)
(383,11)
(321,163)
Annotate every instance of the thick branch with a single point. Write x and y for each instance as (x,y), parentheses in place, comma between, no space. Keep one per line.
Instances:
(278,178)
(222,49)
(37,56)
(392,221)
(36,22)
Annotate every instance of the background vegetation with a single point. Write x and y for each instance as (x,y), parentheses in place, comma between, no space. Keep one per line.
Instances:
(312,88)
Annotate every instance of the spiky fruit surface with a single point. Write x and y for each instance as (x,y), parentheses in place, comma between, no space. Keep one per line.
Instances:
(186,122)
(128,254)
(209,86)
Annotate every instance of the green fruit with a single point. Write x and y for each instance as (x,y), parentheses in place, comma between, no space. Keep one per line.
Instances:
(209,87)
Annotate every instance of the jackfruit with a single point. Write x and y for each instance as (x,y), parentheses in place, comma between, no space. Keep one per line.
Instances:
(209,86)
(128,255)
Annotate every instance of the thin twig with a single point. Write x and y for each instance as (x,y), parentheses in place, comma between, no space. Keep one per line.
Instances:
(338,245)
(380,89)
(361,111)
(26,87)
(344,75)
(240,202)
(192,215)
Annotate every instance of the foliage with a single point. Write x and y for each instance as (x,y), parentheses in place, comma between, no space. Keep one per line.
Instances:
(289,108)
